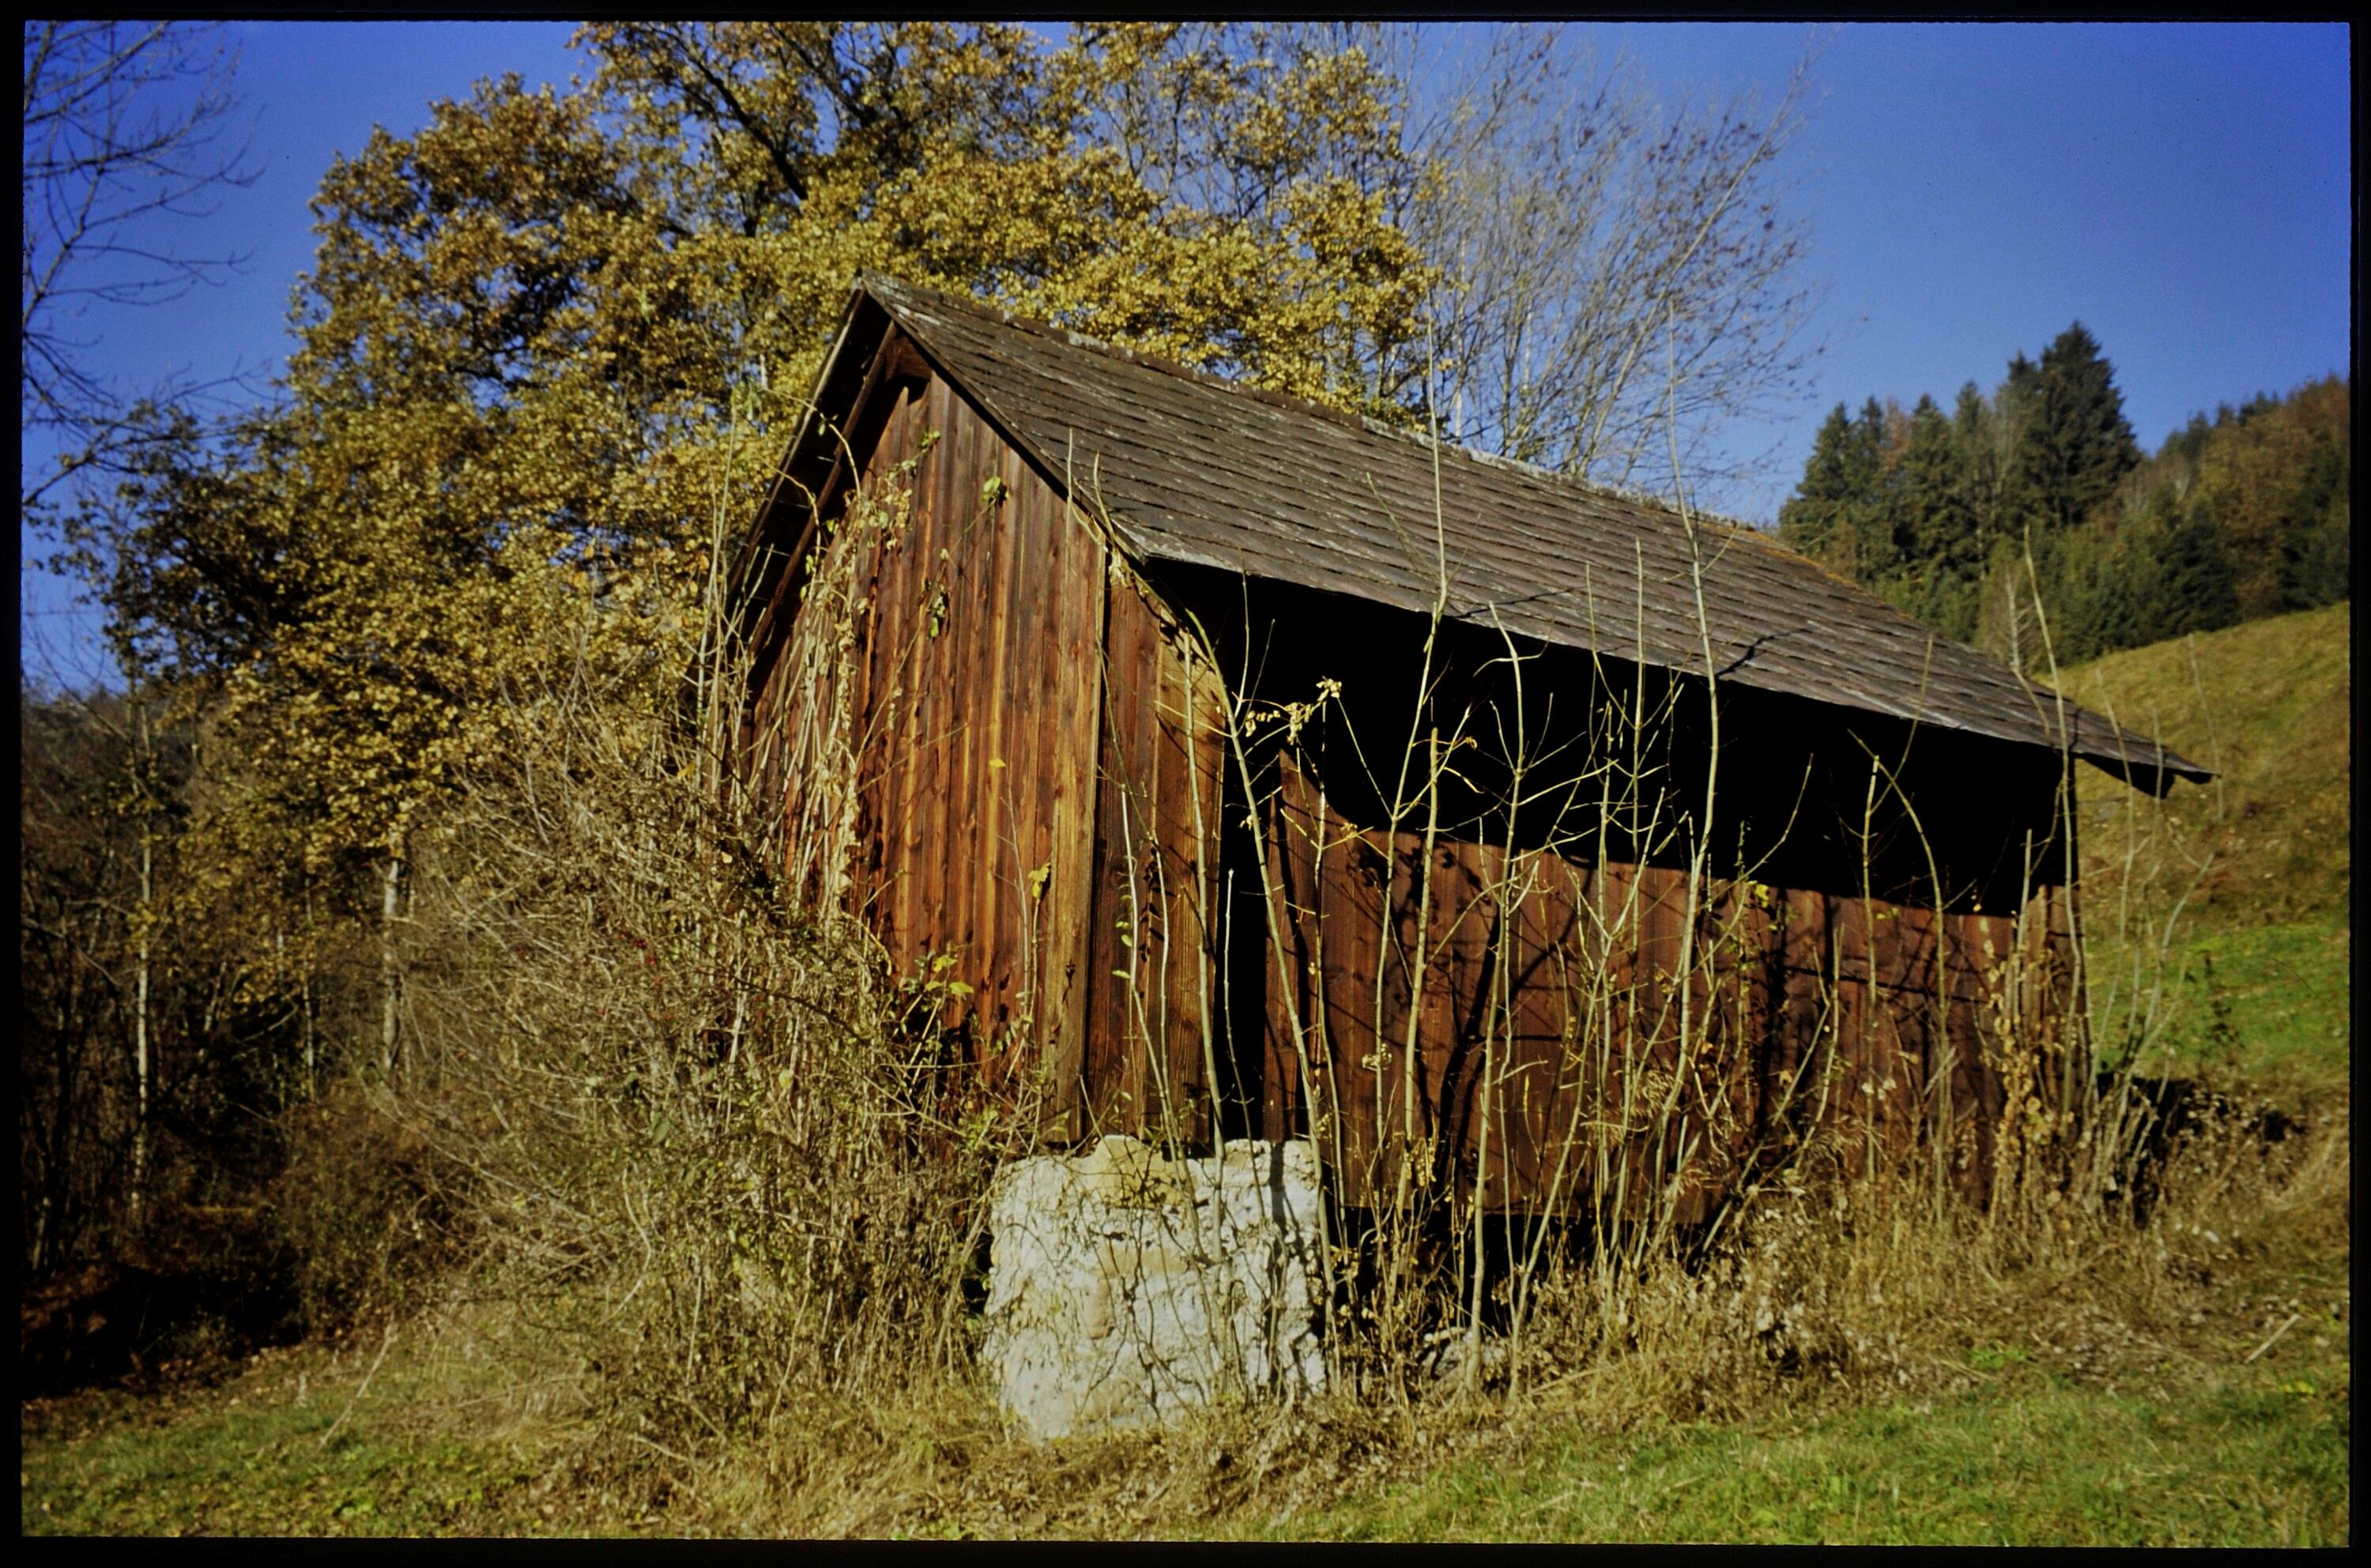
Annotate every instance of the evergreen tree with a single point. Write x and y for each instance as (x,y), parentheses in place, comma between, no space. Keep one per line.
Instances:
(1980,440)
(2033,508)
(2188,444)
(1935,528)
(1821,519)
(1939,522)
(2013,404)
(2087,587)
(2073,444)
(1876,547)
(2315,560)
(2193,588)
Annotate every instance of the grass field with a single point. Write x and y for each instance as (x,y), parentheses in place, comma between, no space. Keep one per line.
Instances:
(2029,1438)
(2255,973)
(2253,1455)
(2217,1414)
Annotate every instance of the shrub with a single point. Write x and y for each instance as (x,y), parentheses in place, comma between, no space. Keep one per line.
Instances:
(369,1213)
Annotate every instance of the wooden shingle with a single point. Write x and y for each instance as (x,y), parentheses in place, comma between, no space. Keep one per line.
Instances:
(1189,468)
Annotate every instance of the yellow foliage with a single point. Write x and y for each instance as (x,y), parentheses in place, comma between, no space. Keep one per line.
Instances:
(552,341)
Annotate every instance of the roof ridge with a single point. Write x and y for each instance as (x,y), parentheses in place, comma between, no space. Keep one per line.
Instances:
(872,283)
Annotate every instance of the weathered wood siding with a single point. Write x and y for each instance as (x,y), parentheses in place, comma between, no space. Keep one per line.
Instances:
(1156,951)
(990,741)
(936,701)
(1547,1011)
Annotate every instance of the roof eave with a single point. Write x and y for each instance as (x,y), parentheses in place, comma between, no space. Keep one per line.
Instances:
(863,325)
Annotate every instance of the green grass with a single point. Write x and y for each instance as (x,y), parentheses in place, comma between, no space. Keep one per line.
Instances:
(2240,1455)
(2179,1442)
(2224,1433)
(2256,968)
(283,1447)
(2264,1007)
(2228,1454)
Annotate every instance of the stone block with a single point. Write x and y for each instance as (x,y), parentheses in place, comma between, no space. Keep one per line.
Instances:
(1125,1287)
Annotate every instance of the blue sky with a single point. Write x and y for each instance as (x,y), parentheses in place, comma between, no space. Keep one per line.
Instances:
(2181,189)
(1972,188)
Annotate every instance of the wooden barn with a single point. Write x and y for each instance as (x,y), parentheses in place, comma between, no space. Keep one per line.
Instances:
(1230,766)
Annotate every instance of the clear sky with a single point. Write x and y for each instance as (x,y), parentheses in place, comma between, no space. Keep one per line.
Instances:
(2182,189)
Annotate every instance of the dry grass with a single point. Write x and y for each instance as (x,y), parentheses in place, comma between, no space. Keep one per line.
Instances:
(1829,1315)
(707,1148)
(699,1140)
(1822,1312)
(1825,1314)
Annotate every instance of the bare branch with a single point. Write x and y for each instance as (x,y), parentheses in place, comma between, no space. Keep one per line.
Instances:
(1577,224)
(125,123)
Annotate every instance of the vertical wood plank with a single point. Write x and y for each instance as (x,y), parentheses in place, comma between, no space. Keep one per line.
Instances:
(1074,729)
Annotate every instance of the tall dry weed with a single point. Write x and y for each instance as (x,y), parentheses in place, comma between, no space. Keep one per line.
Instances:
(698,1126)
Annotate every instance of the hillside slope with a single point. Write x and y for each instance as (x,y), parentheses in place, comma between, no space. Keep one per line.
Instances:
(2241,886)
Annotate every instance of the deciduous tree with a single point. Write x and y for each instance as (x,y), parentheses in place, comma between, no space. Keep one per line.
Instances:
(1619,279)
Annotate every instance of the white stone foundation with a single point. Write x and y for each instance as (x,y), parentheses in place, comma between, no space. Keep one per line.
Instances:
(1124,1287)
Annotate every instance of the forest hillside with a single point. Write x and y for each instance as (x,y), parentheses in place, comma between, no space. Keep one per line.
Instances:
(2030,522)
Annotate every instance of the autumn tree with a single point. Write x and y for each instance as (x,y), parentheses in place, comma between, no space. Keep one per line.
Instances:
(2274,477)
(543,334)
(147,1055)
(548,338)
(551,340)
(135,1020)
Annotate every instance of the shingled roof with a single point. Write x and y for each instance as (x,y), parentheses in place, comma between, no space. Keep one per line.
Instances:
(1191,469)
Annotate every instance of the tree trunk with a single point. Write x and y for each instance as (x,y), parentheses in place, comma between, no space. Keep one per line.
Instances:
(144,923)
(140,1033)
(391,978)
